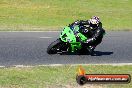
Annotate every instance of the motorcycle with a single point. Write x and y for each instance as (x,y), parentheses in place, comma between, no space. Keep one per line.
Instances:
(67,42)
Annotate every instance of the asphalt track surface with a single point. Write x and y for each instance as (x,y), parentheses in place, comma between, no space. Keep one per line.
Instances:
(29,48)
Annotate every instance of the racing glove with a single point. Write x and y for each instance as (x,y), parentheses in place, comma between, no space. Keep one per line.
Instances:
(71,27)
(89,40)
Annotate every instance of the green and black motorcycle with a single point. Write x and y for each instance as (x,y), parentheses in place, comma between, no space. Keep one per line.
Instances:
(67,42)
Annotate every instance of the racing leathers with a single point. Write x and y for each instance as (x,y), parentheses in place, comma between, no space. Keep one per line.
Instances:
(94,34)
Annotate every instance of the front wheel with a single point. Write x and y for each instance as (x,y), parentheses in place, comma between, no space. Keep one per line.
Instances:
(53,47)
(57,46)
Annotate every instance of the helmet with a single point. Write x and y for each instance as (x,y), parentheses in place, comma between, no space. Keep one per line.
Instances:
(94,21)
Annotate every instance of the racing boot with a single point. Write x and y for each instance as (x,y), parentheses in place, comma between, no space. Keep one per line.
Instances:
(91,50)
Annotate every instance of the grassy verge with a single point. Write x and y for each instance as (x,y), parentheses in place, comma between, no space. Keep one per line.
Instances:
(57,76)
(19,15)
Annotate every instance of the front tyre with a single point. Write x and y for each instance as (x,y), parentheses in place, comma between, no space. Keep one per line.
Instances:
(54,47)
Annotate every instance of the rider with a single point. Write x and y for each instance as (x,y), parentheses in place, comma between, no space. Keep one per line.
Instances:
(92,29)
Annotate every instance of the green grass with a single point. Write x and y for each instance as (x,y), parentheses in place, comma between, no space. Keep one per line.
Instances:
(57,76)
(54,14)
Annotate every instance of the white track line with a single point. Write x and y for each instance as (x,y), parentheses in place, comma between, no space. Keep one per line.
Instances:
(112,64)
(45,37)
(29,31)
